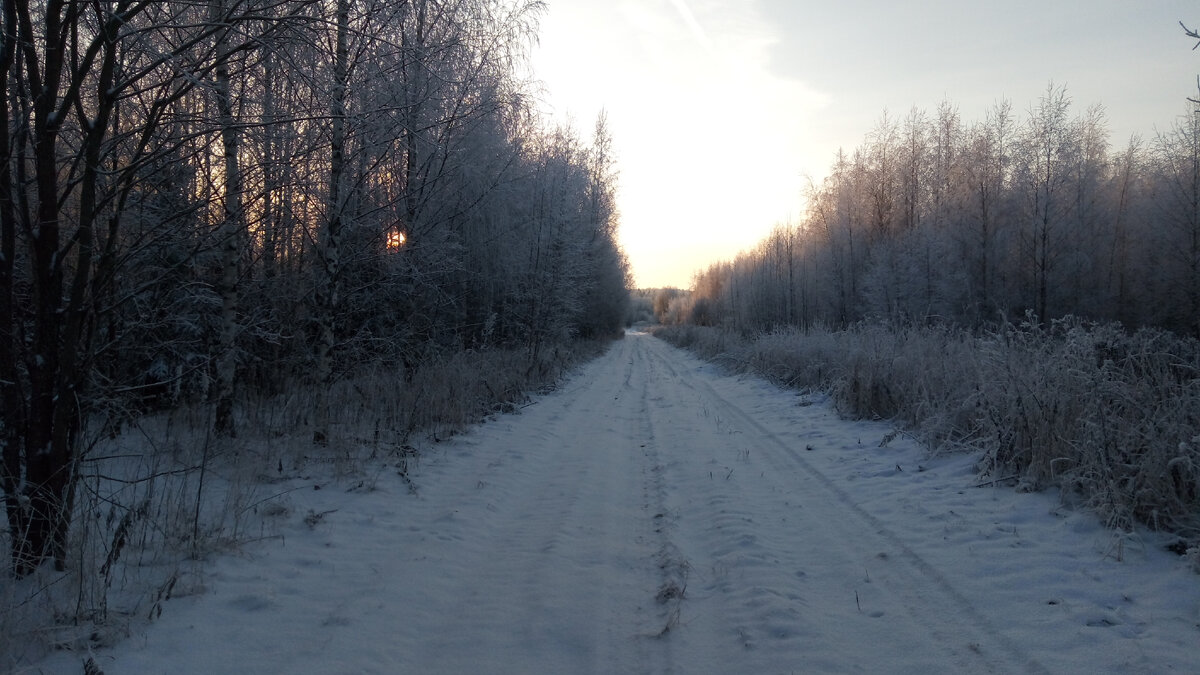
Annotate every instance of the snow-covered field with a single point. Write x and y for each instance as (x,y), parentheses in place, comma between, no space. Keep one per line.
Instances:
(653,515)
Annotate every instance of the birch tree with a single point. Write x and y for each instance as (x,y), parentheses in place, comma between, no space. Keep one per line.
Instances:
(328,288)
(188,204)
(987,167)
(69,69)
(78,161)
(65,71)
(232,224)
(1049,142)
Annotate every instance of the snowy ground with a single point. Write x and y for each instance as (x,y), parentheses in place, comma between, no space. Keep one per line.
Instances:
(655,516)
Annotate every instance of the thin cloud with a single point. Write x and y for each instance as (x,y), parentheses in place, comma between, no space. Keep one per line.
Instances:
(693,25)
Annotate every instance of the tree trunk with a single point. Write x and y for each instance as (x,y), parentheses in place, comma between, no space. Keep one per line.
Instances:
(12,415)
(43,470)
(328,289)
(229,234)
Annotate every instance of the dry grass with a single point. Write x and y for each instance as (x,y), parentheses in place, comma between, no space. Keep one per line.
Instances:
(1111,417)
(158,498)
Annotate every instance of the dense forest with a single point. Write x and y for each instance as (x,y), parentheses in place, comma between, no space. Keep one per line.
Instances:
(204,204)
(937,220)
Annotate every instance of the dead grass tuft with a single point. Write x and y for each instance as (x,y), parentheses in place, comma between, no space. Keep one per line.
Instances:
(1110,416)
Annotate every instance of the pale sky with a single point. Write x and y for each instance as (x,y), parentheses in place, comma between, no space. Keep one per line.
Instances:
(721,109)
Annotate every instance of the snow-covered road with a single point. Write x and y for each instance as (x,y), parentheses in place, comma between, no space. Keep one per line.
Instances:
(653,515)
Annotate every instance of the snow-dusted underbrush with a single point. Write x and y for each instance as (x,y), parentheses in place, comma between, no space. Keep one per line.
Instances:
(714,344)
(158,497)
(1111,417)
(149,504)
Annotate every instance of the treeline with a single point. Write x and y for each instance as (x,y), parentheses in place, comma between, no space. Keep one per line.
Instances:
(209,201)
(1011,288)
(934,220)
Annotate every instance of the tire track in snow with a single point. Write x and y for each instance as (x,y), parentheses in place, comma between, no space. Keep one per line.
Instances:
(671,564)
(552,558)
(848,534)
(537,543)
(740,613)
(744,610)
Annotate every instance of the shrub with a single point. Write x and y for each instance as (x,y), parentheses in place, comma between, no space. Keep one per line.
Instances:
(156,499)
(1109,415)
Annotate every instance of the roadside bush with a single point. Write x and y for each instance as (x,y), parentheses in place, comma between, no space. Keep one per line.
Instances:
(1111,417)
(156,499)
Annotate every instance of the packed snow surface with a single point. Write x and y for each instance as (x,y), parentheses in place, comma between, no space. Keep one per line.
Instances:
(655,516)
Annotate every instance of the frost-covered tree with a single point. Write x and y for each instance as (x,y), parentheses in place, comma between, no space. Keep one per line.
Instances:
(271,193)
(1177,184)
(1047,146)
(934,220)
(98,85)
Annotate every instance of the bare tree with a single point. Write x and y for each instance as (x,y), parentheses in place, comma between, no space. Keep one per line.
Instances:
(986,171)
(76,164)
(232,225)
(1178,167)
(1048,144)
(188,204)
(328,291)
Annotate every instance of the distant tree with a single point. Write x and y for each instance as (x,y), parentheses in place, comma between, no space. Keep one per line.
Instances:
(1127,239)
(1048,144)
(914,168)
(946,163)
(837,216)
(1177,153)
(881,176)
(662,302)
(605,296)
(1091,215)
(986,173)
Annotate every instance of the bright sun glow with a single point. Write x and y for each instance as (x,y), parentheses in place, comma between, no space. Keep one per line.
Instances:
(395,240)
(668,74)
(722,110)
